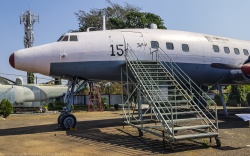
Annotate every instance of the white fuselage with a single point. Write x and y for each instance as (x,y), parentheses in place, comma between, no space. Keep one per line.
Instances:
(98,55)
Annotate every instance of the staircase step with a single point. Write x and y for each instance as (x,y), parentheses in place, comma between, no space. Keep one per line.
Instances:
(155,76)
(160,80)
(155,85)
(171,101)
(194,136)
(148,72)
(185,119)
(192,127)
(181,113)
(150,68)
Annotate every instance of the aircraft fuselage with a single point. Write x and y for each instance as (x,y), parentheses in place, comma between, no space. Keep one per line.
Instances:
(98,55)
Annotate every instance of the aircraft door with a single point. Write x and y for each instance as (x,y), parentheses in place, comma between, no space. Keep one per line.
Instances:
(135,41)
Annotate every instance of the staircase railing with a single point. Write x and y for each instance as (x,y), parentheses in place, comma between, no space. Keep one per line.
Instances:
(163,107)
(189,85)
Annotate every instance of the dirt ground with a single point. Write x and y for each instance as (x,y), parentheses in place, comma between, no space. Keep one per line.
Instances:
(102,133)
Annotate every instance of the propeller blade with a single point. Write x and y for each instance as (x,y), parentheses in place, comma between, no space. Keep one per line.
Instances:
(224,66)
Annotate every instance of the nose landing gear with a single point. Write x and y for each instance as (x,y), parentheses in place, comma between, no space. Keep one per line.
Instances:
(66,120)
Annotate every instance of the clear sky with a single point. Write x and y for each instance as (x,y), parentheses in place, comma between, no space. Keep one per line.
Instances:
(228,18)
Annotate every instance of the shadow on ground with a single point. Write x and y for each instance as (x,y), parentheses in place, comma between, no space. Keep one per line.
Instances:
(110,134)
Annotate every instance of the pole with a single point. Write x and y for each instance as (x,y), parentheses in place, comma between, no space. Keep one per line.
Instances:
(28,20)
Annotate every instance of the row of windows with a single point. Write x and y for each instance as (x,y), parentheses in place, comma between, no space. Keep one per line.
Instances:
(227,50)
(170,46)
(185,48)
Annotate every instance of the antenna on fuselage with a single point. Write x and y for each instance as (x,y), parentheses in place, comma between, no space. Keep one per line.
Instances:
(103,21)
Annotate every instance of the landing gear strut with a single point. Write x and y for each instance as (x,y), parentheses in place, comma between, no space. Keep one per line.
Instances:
(66,120)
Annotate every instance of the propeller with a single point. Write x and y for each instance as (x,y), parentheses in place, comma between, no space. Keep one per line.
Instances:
(245,68)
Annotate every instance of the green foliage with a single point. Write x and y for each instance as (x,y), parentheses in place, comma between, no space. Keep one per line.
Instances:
(45,106)
(50,106)
(217,99)
(237,95)
(30,78)
(58,81)
(246,88)
(80,107)
(5,108)
(137,20)
(72,107)
(248,98)
(117,17)
(228,88)
(57,105)
(210,102)
(104,99)
(109,87)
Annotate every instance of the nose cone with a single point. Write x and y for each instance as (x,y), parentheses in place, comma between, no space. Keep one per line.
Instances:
(12,60)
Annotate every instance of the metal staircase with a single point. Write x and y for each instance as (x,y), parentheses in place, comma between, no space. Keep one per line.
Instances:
(176,105)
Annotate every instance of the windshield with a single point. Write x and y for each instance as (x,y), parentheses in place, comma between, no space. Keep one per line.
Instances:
(60,38)
(68,38)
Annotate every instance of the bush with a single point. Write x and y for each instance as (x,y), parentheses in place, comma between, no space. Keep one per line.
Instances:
(50,106)
(57,105)
(248,98)
(217,99)
(5,108)
(116,106)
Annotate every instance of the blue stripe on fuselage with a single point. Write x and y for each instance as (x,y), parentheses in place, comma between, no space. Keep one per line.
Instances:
(111,70)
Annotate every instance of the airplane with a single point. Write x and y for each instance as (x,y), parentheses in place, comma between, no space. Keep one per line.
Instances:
(30,95)
(99,55)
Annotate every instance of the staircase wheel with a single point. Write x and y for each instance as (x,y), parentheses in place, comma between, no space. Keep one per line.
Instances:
(218,142)
(171,146)
(140,132)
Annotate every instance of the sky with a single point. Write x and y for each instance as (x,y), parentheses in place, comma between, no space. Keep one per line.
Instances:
(227,18)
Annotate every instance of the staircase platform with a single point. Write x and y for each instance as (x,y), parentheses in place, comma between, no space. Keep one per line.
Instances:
(195,136)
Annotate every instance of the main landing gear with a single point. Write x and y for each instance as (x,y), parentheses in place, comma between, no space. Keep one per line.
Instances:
(66,120)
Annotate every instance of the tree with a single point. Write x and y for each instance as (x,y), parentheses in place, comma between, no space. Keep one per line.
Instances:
(58,81)
(30,78)
(118,17)
(237,95)
(5,108)
(217,99)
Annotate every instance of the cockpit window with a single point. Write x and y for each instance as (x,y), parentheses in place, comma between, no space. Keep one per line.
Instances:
(60,39)
(65,38)
(73,38)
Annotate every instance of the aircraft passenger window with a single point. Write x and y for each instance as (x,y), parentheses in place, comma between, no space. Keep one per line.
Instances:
(226,50)
(216,48)
(65,38)
(170,46)
(73,38)
(245,51)
(185,47)
(154,44)
(60,39)
(236,51)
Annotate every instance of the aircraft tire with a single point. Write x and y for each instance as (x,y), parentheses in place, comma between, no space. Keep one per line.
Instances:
(59,119)
(68,121)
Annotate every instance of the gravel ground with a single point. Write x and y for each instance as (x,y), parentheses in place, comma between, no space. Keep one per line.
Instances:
(101,133)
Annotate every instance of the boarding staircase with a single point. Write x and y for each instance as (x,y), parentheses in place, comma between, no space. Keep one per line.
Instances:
(177,109)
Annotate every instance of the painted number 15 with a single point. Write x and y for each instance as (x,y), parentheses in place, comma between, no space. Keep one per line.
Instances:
(119,50)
